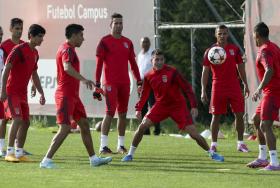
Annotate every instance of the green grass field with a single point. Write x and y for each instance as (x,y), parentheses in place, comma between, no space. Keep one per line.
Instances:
(160,161)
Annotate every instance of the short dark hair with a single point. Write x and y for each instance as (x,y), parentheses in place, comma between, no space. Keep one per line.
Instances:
(15,21)
(157,52)
(262,30)
(35,30)
(73,29)
(116,15)
(221,26)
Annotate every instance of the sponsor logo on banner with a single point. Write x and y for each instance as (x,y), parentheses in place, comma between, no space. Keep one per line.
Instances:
(164,78)
(231,51)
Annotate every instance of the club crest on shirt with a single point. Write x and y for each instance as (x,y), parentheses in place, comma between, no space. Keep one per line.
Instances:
(231,51)
(164,78)
(17,111)
(125,44)
(108,88)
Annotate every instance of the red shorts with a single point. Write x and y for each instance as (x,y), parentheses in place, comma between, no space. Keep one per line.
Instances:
(269,106)
(68,109)
(178,112)
(16,106)
(116,96)
(2,112)
(220,101)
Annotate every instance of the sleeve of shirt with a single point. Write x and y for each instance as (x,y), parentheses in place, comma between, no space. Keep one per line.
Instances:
(101,49)
(14,56)
(67,56)
(100,55)
(206,62)
(187,89)
(144,95)
(238,56)
(266,58)
(37,59)
(133,64)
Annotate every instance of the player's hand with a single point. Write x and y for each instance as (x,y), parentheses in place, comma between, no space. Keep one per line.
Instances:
(246,91)
(88,83)
(203,97)
(33,91)
(194,112)
(139,87)
(257,95)
(42,100)
(3,96)
(98,92)
(138,115)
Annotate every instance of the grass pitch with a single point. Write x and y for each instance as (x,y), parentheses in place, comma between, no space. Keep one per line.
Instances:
(160,161)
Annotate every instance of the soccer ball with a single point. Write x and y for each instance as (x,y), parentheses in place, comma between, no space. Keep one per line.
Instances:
(217,55)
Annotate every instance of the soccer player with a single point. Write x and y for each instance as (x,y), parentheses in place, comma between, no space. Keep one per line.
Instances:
(169,87)
(16,27)
(68,103)
(226,88)
(114,51)
(20,65)
(268,71)
(144,64)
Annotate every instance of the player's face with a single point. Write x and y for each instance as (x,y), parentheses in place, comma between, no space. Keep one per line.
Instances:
(16,31)
(79,38)
(257,39)
(222,36)
(145,44)
(117,26)
(158,61)
(37,40)
(1,35)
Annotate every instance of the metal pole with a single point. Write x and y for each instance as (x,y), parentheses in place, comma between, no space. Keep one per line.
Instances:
(193,59)
(157,22)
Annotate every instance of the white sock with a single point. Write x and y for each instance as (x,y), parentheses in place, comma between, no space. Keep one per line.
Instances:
(262,152)
(10,150)
(120,141)
(19,152)
(46,160)
(132,150)
(2,144)
(273,158)
(239,142)
(92,158)
(15,144)
(103,141)
(214,144)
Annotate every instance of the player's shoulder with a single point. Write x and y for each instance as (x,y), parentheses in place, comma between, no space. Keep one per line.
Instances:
(5,43)
(170,68)
(106,37)
(126,39)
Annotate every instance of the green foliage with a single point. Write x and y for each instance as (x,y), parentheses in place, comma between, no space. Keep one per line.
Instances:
(176,42)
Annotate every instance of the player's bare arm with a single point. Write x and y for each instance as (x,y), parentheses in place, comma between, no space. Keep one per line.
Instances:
(266,78)
(37,84)
(72,72)
(242,74)
(4,78)
(204,82)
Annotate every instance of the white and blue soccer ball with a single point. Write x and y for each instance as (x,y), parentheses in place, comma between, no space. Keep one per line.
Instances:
(217,55)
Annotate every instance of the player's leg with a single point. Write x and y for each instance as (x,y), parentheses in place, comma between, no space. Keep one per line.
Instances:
(236,100)
(87,140)
(215,126)
(261,161)
(146,123)
(64,107)
(151,102)
(269,112)
(144,112)
(3,127)
(218,106)
(110,98)
(123,93)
